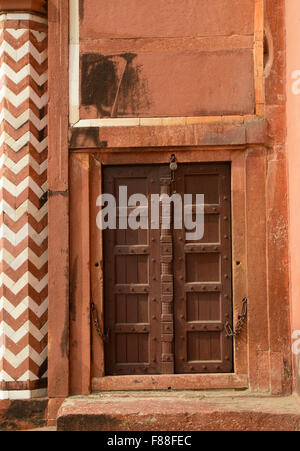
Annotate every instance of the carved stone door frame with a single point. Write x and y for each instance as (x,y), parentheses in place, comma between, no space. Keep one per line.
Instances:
(85,182)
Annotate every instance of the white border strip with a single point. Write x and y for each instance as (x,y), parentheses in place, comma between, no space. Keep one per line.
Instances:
(23,394)
(16,16)
(74,63)
(157,121)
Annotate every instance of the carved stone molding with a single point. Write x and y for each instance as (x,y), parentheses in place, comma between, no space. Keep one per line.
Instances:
(37,6)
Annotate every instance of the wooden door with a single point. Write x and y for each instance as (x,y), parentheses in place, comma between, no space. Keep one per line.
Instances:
(166,299)
(202,275)
(132,282)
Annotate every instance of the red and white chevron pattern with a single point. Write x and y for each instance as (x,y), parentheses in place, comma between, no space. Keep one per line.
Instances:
(23,206)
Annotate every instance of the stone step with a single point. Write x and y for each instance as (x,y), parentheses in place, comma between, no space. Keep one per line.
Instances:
(178,411)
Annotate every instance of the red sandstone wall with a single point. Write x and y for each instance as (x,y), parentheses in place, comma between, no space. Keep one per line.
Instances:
(270,357)
(277,202)
(166,58)
(293,140)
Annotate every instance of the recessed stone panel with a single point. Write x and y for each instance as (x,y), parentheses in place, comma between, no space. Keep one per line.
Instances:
(165,18)
(167,84)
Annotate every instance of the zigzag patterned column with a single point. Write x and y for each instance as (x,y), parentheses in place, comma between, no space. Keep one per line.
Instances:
(23,206)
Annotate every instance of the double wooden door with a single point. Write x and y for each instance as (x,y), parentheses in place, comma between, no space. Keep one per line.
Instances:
(166,299)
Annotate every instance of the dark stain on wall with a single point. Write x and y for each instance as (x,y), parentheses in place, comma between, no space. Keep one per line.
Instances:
(114,84)
(85,137)
(23,414)
(64,341)
(81,10)
(73,288)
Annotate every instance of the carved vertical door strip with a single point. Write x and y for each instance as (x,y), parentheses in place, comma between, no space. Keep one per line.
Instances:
(167,290)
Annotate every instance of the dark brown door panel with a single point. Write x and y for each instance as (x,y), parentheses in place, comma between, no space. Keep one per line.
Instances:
(202,274)
(132,285)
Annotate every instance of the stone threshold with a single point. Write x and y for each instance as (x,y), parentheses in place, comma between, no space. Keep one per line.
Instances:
(179,411)
(170,382)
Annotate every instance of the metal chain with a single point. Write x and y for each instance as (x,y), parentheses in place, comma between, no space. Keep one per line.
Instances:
(95,320)
(240,323)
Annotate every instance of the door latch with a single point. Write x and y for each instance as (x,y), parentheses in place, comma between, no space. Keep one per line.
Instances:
(173,163)
(173,168)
